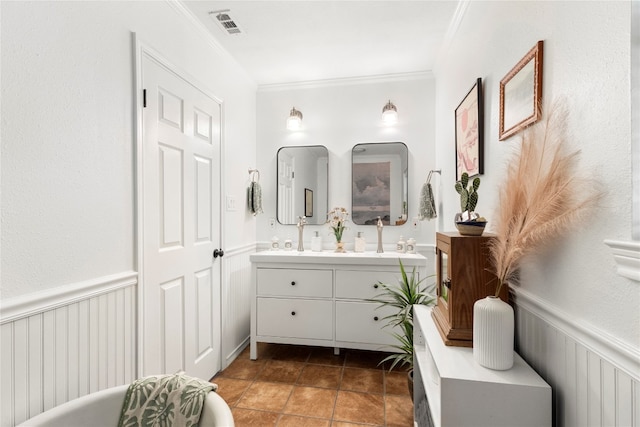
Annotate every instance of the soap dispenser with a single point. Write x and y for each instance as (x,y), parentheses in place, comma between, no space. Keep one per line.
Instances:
(316,242)
(275,243)
(288,244)
(360,243)
(411,245)
(401,247)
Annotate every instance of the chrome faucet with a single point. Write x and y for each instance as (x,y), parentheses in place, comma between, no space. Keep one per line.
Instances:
(379,227)
(302,221)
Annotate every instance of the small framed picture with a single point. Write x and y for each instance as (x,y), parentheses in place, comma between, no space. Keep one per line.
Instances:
(470,133)
(521,94)
(308,202)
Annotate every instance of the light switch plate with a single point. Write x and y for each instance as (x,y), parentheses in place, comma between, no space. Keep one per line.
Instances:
(231,204)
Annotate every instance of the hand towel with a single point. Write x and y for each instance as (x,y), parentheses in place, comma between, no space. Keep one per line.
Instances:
(169,400)
(427,202)
(255,198)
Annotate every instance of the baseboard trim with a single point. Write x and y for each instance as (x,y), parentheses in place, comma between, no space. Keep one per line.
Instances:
(38,302)
(236,352)
(610,348)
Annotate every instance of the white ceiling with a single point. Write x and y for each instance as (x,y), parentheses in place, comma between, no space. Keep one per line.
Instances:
(300,40)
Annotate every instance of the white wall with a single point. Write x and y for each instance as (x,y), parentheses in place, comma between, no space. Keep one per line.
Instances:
(68,134)
(586,61)
(339,115)
(68,268)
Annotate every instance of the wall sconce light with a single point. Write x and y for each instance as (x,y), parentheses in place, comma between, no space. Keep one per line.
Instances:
(294,121)
(389,114)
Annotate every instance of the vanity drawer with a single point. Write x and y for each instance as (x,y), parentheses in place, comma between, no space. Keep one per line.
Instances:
(295,318)
(354,284)
(356,322)
(294,282)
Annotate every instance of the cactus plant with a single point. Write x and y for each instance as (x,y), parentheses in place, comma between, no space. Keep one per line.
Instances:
(468,195)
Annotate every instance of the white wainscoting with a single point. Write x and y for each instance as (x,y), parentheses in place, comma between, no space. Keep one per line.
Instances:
(65,343)
(236,302)
(594,377)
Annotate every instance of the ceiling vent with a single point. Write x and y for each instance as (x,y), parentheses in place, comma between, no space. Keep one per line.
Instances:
(222,17)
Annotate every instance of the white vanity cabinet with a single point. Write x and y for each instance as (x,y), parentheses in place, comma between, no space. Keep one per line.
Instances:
(320,298)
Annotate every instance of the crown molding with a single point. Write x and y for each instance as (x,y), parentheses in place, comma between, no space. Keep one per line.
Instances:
(454,26)
(347,81)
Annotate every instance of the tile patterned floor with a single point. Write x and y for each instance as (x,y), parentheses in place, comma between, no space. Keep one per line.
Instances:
(309,386)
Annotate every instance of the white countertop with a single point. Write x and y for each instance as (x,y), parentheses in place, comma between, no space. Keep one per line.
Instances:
(331,257)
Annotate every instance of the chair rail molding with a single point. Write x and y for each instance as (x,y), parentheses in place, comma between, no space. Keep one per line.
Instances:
(12,309)
(66,342)
(627,256)
(617,352)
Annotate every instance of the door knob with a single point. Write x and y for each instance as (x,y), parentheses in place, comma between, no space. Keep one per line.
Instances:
(218,253)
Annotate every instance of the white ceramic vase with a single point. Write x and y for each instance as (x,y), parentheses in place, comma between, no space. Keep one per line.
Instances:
(493,329)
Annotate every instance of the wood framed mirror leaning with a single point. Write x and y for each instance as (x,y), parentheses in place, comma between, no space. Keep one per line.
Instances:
(302,184)
(379,184)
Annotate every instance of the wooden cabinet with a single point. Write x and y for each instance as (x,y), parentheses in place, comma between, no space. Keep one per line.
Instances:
(451,389)
(320,298)
(463,276)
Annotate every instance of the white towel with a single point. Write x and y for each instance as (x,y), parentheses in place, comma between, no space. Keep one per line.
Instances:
(427,202)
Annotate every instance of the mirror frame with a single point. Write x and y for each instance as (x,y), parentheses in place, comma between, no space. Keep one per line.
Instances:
(305,192)
(404,183)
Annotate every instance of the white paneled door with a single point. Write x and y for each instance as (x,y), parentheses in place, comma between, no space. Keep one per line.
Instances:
(181,215)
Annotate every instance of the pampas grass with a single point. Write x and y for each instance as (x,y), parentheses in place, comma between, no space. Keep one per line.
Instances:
(542,197)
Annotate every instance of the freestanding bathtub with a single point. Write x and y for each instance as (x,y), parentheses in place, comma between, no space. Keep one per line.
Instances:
(103,409)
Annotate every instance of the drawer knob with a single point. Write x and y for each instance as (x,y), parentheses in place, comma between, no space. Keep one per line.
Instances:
(375,318)
(293,283)
(375,286)
(293,313)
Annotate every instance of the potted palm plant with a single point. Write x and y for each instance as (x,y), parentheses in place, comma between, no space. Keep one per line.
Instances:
(402,296)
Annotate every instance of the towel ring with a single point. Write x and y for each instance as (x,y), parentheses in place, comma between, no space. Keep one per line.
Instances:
(431,172)
(253,173)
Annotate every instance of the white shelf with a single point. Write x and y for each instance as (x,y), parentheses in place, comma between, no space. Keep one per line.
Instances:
(460,392)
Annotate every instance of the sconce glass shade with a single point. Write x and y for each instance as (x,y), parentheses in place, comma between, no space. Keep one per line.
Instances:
(294,121)
(389,114)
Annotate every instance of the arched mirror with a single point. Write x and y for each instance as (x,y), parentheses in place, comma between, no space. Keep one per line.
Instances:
(380,181)
(303,177)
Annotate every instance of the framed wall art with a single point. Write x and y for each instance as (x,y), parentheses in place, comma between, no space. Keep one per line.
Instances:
(308,203)
(521,94)
(470,133)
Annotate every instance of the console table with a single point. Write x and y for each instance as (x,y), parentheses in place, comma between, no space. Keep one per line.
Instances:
(451,389)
